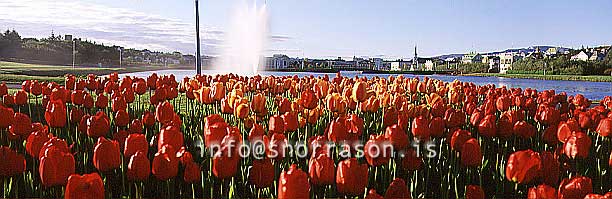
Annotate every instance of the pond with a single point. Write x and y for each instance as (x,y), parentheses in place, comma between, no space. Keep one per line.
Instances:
(591,90)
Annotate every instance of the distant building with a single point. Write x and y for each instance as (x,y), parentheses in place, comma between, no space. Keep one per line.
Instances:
(377,64)
(278,62)
(68,37)
(400,65)
(430,65)
(471,58)
(506,60)
(581,56)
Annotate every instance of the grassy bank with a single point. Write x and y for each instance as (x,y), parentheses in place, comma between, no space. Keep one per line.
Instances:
(592,78)
(12,72)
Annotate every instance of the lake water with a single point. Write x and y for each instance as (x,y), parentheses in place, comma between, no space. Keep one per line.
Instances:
(591,90)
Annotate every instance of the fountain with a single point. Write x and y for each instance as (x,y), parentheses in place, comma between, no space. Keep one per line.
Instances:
(245,40)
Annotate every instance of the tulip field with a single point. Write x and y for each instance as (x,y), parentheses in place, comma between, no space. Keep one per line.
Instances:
(230,136)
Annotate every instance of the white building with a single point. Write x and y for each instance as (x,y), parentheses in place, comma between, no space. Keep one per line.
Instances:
(506,60)
(581,56)
(377,63)
(278,62)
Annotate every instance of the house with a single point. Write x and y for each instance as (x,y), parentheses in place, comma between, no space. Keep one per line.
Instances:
(581,56)
(377,63)
(400,65)
(430,65)
(278,61)
(471,58)
(596,56)
(506,60)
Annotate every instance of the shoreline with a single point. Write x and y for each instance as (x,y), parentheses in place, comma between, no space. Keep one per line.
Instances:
(592,78)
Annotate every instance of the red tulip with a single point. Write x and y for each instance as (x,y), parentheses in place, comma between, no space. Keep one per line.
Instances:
(308,99)
(215,129)
(278,146)
(351,177)
(3,89)
(355,125)
(291,121)
(458,138)
(550,168)
(454,118)
(165,163)
(397,137)
(225,162)
(577,145)
(411,161)
(21,98)
(542,192)
(524,129)
(139,167)
(321,170)
(436,127)
(471,154)
(576,187)
(605,127)
(373,195)
(8,100)
(337,131)
(77,97)
(88,101)
(106,155)
(523,166)
(565,129)
(377,150)
(258,104)
(164,112)
(260,173)
(474,192)
(76,115)
(12,162)
(293,183)
(118,103)
(35,142)
(170,135)
(359,92)
(148,119)
(101,102)
(22,125)
(98,125)
(420,128)
(276,125)
(85,186)
(55,114)
(192,173)
(122,118)
(6,121)
(135,127)
(487,126)
(397,190)
(135,143)
(55,167)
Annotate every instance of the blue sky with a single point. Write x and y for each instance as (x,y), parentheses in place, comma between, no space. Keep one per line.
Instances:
(325,28)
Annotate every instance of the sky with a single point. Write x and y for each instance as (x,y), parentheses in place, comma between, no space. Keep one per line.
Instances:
(323,28)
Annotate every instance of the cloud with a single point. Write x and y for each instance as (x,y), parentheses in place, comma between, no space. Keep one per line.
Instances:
(109,25)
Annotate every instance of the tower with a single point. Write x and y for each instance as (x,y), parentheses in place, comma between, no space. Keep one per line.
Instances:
(415,60)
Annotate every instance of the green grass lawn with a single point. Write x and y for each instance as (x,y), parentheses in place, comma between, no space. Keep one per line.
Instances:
(12,72)
(592,78)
